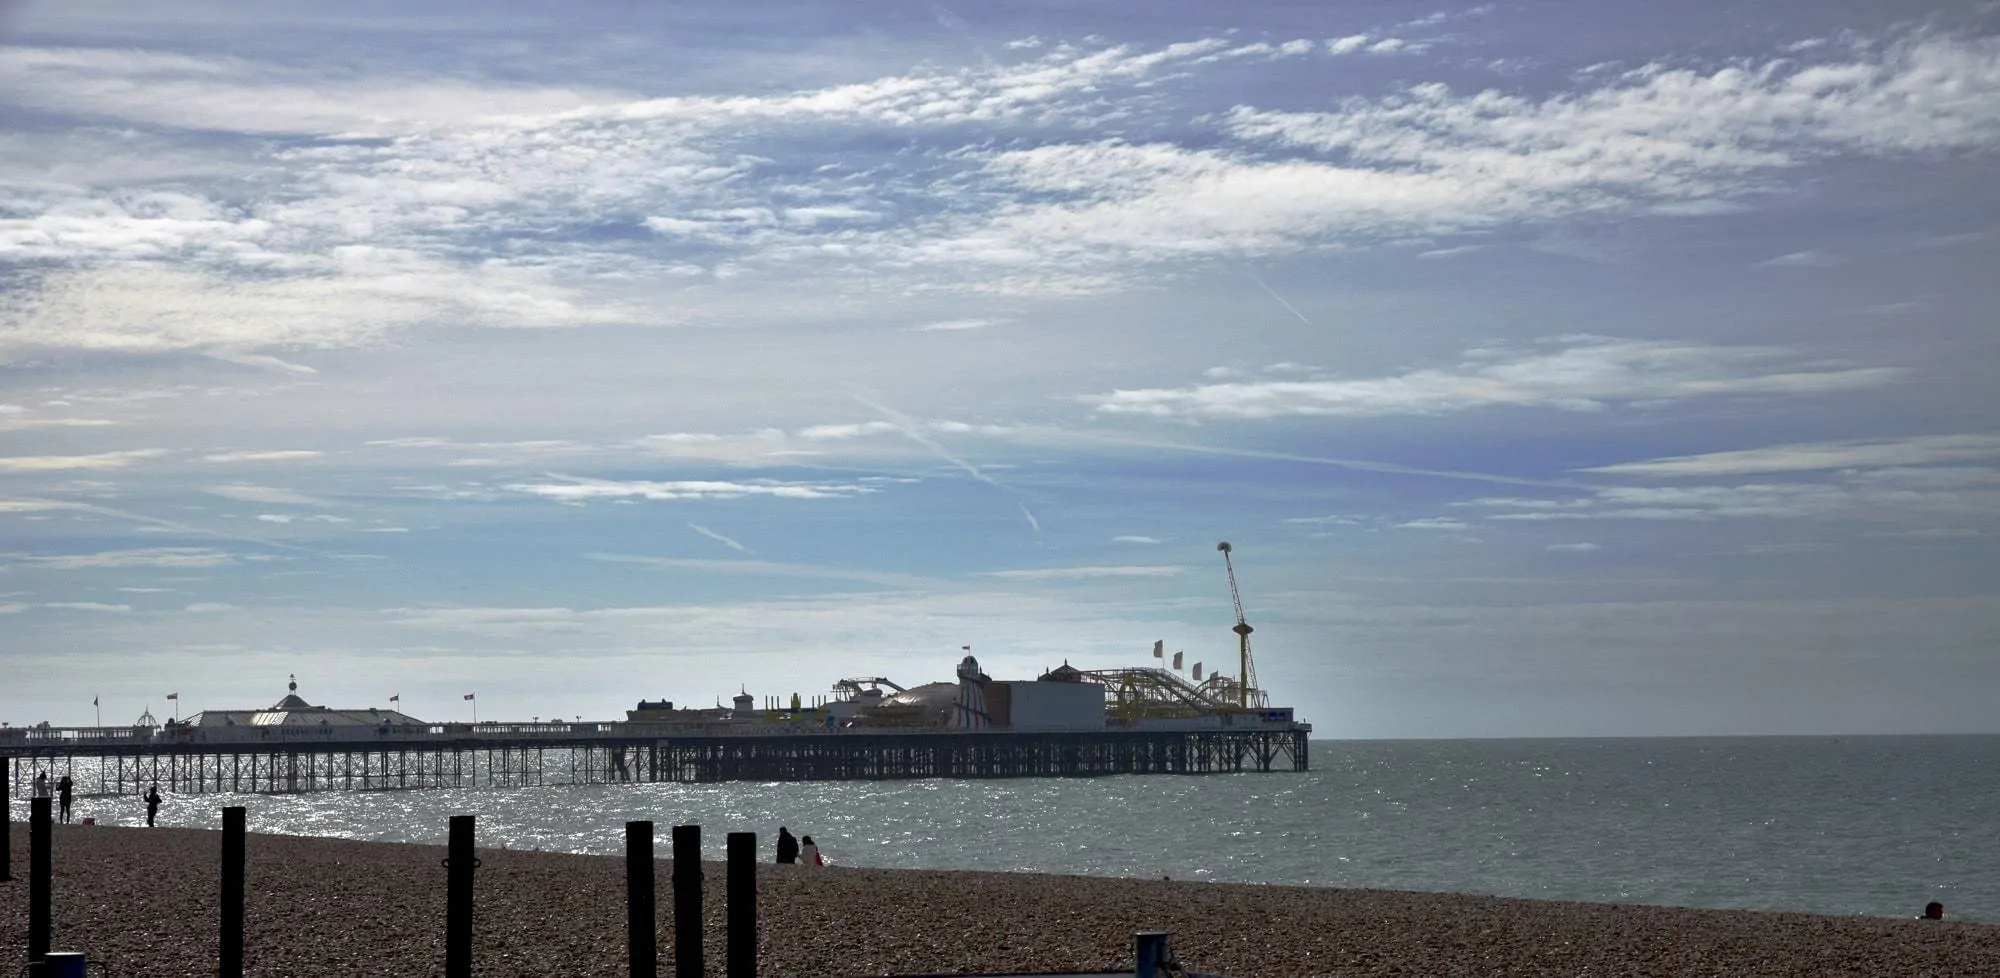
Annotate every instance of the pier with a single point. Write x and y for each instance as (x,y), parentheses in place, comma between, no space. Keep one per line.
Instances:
(127,760)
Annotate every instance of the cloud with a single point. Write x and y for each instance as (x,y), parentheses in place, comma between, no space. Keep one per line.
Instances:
(1883,495)
(768,568)
(209,607)
(12,608)
(1810,456)
(173,557)
(1135,539)
(1573,548)
(1588,375)
(61,463)
(1452,252)
(719,538)
(956,325)
(579,489)
(1434,523)
(31,505)
(116,609)
(1087,573)
(265,494)
(271,456)
(1799,259)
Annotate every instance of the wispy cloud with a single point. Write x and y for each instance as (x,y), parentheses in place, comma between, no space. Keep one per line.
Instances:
(1136,539)
(286,455)
(580,489)
(955,325)
(265,494)
(1588,375)
(774,569)
(1434,523)
(62,463)
(169,557)
(1087,573)
(1810,456)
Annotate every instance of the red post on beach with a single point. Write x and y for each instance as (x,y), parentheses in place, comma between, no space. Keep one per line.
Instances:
(232,892)
(642,928)
(688,954)
(459,864)
(742,895)
(41,878)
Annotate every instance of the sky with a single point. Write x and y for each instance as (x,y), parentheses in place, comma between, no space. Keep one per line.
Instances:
(1554,369)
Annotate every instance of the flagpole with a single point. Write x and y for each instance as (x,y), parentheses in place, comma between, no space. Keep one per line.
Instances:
(99,709)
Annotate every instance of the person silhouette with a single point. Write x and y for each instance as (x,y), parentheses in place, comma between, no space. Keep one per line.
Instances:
(1933,911)
(65,793)
(809,852)
(788,847)
(152,803)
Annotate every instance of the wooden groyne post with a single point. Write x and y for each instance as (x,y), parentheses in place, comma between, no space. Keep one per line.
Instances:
(231,952)
(41,878)
(639,903)
(742,896)
(6,822)
(459,864)
(688,954)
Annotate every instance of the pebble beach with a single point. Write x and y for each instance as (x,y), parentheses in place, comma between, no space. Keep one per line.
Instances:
(144,902)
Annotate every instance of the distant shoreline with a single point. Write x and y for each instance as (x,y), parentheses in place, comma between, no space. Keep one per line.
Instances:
(145,899)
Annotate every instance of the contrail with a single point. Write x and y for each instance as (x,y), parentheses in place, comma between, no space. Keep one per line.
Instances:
(908,426)
(718,538)
(1281,300)
(172,525)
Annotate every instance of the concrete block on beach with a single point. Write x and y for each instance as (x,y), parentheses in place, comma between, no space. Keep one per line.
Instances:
(145,901)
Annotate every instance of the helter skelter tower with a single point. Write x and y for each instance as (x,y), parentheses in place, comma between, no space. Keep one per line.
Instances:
(1247,671)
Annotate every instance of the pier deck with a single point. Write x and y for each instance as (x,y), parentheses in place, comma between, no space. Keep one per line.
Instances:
(115,761)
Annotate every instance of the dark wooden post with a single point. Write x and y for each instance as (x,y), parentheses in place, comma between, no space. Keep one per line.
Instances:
(41,878)
(233,823)
(6,822)
(459,864)
(639,902)
(688,954)
(742,895)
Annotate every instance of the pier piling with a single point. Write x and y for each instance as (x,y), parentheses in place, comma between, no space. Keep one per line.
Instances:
(639,903)
(688,953)
(459,863)
(233,828)
(742,896)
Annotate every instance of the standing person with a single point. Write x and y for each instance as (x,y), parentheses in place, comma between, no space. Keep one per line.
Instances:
(152,803)
(788,847)
(65,790)
(809,853)
(41,784)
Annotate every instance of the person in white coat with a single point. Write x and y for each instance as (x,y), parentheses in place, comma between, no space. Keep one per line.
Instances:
(809,853)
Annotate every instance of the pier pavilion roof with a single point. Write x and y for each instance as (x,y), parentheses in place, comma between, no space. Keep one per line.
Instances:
(294,711)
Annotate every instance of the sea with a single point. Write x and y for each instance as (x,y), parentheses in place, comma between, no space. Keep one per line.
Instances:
(1830,825)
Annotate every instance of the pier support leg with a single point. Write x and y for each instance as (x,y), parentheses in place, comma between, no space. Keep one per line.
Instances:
(687,902)
(742,895)
(232,892)
(639,919)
